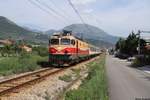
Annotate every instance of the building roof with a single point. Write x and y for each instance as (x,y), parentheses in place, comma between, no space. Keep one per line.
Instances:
(148,47)
(6,42)
(26,48)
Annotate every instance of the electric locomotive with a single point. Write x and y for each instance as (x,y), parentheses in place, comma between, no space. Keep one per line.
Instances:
(66,49)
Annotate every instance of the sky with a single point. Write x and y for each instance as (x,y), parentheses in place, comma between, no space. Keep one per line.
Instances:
(116,17)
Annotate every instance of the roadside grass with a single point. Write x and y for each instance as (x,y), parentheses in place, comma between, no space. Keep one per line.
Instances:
(14,65)
(66,78)
(94,87)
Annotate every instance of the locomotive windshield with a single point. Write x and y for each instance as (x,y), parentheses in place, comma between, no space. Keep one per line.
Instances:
(65,41)
(54,41)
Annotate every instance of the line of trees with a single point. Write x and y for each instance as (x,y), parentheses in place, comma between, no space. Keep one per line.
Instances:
(10,50)
(129,45)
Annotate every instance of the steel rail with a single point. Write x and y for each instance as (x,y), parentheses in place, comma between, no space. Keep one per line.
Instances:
(29,82)
(10,85)
(25,75)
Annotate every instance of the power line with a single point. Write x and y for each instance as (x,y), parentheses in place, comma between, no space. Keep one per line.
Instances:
(51,9)
(58,8)
(76,11)
(39,6)
(35,4)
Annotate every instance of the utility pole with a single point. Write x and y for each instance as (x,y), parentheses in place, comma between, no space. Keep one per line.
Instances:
(139,47)
(139,42)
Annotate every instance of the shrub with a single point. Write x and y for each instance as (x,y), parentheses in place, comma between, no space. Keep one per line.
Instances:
(42,51)
(23,63)
(141,61)
(66,78)
(76,71)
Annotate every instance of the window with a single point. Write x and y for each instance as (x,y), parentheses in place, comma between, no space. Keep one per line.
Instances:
(65,41)
(54,41)
(73,42)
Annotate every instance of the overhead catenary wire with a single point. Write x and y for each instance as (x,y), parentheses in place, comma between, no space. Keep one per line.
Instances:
(60,9)
(77,12)
(44,10)
(51,9)
(37,5)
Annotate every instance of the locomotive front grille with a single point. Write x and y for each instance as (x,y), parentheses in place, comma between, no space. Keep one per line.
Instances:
(59,59)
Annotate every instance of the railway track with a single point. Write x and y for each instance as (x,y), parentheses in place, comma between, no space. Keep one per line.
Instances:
(14,85)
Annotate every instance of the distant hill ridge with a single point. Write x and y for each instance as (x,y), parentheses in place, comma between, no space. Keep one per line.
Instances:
(94,35)
(92,32)
(7,26)
(9,29)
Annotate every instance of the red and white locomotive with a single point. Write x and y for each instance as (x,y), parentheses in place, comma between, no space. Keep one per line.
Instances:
(66,49)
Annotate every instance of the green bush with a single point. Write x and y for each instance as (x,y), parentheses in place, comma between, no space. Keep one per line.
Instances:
(141,61)
(42,51)
(76,71)
(23,63)
(94,87)
(136,63)
(66,78)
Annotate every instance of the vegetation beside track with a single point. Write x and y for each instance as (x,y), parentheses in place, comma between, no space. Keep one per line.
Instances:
(66,78)
(94,87)
(23,62)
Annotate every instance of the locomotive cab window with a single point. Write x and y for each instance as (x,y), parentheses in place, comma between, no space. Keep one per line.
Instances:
(65,41)
(73,42)
(54,41)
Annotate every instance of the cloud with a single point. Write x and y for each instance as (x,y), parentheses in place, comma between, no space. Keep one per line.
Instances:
(122,20)
(113,16)
(86,11)
(83,2)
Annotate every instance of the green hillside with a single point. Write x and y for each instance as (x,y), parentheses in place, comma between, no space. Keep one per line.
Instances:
(9,29)
(92,32)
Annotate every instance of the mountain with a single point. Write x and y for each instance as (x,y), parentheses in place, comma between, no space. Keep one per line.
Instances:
(92,32)
(31,27)
(9,29)
(50,32)
(100,43)
(89,33)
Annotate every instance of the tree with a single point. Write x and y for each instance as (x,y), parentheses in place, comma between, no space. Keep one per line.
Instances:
(129,45)
(120,45)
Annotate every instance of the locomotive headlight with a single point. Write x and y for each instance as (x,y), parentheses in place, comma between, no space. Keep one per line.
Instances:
(59,48)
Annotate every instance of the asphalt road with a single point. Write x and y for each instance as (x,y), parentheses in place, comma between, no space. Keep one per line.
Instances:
(126,83)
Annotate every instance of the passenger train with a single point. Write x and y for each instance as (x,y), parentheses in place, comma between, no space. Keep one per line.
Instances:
(66,49)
